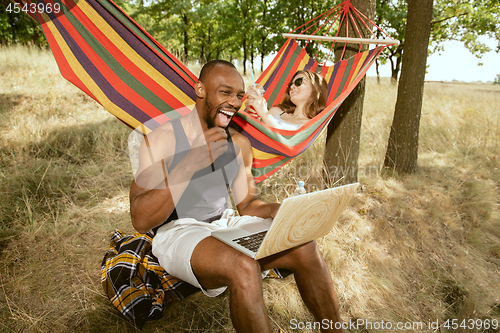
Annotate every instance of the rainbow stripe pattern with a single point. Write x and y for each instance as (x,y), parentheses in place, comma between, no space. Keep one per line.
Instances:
(102,51)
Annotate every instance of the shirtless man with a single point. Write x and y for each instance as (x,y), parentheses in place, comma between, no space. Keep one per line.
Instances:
(183,178)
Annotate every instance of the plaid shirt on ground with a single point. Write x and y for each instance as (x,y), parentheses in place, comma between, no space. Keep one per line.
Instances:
(135,282)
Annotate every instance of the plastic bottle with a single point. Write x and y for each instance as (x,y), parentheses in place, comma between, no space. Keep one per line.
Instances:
(300,189)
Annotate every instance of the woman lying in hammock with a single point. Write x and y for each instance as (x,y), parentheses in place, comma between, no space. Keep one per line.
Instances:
(304,98)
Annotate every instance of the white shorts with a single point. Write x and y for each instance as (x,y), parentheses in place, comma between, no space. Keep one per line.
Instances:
(174,244)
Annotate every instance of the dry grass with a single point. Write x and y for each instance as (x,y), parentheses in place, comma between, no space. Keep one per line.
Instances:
(409,249)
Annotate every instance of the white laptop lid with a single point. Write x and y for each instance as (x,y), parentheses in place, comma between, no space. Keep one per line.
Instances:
(304,218)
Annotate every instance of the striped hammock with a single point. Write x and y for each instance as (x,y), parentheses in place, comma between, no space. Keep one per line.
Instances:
(102,51)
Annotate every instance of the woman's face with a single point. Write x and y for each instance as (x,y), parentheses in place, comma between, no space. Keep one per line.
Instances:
(300,89)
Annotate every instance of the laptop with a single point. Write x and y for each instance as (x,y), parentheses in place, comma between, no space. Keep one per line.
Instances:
(300,219)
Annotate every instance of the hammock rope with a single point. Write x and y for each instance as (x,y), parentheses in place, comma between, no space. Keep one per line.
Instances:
(106,54)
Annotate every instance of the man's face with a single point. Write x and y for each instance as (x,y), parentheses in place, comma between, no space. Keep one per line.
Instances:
(224,93)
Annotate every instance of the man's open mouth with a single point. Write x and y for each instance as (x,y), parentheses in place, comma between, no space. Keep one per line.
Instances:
(224,117)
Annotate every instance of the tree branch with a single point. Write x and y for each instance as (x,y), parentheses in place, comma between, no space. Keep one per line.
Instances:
(447,18)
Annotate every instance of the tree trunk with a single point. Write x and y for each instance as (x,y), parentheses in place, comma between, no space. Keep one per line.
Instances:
(263,38)
(394,76)
(344,130)
(402,149)
(186,37)
(251,57)
(202,50)
(246,39)
(245,57)
(393,81)
(395,69)
(376,69)
(209,43)
(262,56)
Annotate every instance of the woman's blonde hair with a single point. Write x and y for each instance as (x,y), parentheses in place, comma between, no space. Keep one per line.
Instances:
(316,102)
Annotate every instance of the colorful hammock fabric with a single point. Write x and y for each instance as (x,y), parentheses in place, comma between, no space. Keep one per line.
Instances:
(106,54)
(111,58)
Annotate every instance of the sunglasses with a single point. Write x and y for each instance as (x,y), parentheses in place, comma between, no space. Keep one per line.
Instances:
(297,82)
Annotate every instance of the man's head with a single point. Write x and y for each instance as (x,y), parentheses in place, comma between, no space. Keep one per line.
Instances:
(219,93)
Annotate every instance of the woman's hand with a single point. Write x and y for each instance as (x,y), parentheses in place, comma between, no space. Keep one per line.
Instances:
(257,105)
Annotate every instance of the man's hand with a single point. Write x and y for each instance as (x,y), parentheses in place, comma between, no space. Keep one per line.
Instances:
(273,209)
(206,148)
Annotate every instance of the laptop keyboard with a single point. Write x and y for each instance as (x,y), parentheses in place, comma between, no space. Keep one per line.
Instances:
(251,242)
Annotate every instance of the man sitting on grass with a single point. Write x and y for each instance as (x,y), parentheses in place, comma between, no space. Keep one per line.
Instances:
(186,167)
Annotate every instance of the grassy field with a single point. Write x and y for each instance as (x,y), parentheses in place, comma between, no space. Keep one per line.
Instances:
(410,249)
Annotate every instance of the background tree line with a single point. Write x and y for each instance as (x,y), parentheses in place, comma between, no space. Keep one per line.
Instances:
(243,30)
(250,30)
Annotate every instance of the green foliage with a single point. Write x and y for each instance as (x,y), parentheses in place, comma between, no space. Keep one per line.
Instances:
(247,30)
(497,79)
(466,21)
(201,30)
(18,27)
